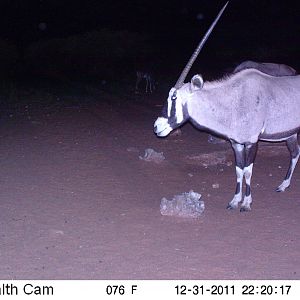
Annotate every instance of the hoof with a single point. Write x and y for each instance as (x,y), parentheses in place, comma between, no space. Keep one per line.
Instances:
(245,209)
(285,184)
(230,207)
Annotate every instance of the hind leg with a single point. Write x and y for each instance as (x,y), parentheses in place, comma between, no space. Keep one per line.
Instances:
(292,144)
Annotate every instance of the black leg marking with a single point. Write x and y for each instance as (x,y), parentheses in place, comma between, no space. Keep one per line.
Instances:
(250,153)
(238,188)
(292,145)
(239,153)
(248,190)
(244,158)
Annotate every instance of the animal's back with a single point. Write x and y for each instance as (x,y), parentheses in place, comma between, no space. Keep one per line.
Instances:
(264,103)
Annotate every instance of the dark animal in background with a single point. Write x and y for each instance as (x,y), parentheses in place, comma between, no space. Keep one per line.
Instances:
(148,78)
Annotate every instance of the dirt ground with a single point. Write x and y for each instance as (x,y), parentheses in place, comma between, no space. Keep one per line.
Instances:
(78,203)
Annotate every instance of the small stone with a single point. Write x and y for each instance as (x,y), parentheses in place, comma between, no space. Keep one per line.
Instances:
(184,205)
(153,156)
(215,185)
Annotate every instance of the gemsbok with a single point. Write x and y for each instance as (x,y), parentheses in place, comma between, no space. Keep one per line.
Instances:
(244,108)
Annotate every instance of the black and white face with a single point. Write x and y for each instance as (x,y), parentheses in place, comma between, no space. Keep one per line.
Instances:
(174,113)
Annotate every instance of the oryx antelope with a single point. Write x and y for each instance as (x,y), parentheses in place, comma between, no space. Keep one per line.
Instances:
(244,107)
(149,81)
(268,68)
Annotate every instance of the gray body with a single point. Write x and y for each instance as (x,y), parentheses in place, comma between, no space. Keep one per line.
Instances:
(268,68)
(244,108)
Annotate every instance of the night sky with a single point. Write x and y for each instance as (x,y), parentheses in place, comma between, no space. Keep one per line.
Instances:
(64,17)
(251,29)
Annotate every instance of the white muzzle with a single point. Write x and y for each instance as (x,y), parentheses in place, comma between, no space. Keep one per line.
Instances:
(162,127)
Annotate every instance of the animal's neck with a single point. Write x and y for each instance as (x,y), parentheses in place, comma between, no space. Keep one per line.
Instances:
(215,116)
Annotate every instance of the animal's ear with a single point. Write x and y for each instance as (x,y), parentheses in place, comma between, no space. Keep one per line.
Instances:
(197,82)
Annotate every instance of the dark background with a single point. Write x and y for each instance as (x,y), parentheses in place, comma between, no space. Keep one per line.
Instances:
(108,40)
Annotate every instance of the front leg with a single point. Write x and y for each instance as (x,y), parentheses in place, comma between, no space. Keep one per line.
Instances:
(244,158)
(250,153)
(239,153)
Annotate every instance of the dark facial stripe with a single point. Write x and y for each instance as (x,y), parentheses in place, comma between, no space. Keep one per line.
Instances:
(173,108)
(185,112)
(172,118)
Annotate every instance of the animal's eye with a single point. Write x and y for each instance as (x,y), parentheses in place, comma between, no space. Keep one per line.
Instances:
(174,98)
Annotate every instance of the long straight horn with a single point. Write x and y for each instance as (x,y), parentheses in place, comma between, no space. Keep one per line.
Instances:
(188,66)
